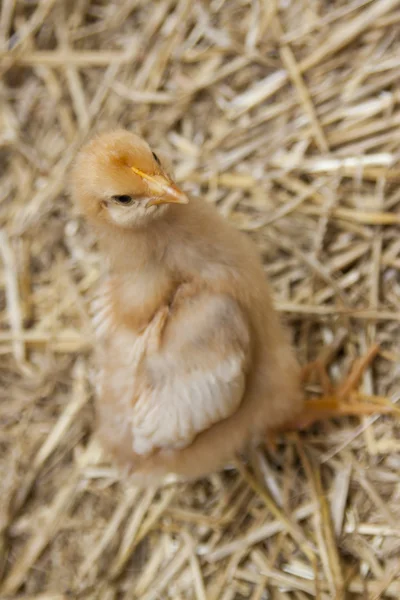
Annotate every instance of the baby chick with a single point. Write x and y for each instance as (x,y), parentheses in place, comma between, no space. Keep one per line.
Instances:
(193,360)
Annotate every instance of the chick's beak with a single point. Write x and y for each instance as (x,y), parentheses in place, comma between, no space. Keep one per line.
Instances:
(165,191)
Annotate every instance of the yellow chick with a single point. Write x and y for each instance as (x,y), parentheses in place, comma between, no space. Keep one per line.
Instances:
(193,360)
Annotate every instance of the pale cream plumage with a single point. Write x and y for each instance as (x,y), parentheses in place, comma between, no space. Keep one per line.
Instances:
(193,361)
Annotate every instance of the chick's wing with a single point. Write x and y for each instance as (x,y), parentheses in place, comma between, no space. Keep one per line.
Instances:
(192,373)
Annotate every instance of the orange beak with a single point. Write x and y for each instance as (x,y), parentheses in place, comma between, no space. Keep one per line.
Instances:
(166,192)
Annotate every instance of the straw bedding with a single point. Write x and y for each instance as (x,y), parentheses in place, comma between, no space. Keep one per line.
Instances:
(286,116)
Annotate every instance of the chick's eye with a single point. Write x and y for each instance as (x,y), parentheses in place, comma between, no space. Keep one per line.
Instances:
(123,199)
(156,158)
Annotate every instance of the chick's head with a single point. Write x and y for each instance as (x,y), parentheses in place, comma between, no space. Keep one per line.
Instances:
(118,179)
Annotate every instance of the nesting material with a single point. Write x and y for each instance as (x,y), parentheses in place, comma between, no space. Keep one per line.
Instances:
(286,115)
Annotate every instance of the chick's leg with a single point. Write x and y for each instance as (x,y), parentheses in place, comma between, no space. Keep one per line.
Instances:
(339,402)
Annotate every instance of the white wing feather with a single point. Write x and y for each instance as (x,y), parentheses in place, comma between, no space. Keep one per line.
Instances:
(170,416)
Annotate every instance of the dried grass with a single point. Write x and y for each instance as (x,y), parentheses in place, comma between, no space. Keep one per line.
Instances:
(287,117)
